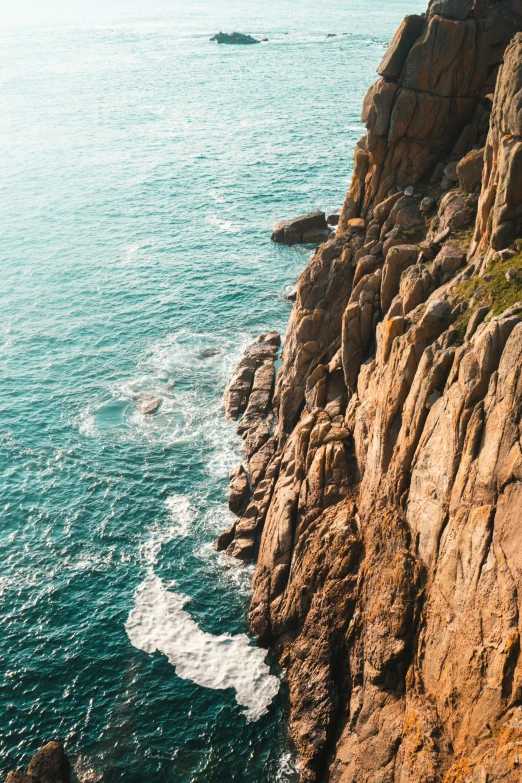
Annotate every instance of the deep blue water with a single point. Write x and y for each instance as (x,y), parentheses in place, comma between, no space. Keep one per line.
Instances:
(142,170)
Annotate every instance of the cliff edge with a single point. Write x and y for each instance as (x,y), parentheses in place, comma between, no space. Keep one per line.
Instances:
(382,489)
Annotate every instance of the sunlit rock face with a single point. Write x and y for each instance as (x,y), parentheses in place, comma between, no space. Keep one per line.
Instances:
(388,507)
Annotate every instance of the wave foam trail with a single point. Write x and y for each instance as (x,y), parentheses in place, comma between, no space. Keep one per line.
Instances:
(159,622)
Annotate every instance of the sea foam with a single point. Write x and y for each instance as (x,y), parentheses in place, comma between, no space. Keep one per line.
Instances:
(159,622)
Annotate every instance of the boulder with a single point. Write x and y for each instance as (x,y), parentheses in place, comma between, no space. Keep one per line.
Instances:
(149,404)
(333,220)
(469,170)
(234,38)
(450,259)
(290,232)
(356,224)
(50,764)
(450,172)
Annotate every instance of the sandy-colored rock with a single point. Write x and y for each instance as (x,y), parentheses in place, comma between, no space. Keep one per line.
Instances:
(385,520)
(469,170)
(500,206)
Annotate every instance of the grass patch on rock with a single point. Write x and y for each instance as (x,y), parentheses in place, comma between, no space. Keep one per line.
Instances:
(463,238)
(492,290)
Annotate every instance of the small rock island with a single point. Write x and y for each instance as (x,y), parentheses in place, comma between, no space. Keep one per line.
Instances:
(235,38)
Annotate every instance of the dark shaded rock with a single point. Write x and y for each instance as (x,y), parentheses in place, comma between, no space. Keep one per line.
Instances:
(315,236)
(451,9)
(50,764)
(333,220)
(239,490)
(290,232)
(235,38)
(469,170)
(19,776)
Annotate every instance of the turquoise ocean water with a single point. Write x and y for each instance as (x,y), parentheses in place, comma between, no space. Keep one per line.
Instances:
(142,170)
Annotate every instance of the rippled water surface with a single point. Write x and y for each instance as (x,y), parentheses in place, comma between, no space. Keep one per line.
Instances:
(142,170)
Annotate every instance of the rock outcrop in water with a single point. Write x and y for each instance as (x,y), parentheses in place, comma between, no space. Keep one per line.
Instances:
(235,38)
(306,229)
(48,765)
(386,517)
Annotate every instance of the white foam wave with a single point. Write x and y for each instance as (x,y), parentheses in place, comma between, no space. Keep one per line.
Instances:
(223,225)
(160,622)
(181,514)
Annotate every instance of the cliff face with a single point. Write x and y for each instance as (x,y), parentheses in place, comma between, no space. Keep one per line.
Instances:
(387,479)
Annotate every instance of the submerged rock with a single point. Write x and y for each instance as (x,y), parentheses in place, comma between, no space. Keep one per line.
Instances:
(149,404)
(235,38)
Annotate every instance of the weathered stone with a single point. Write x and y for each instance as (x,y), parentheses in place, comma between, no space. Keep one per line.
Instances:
(314,236)
(290,232)
(149,404)
(398,259)
(50,764)
(237,394)
(387,509)
(356,224)
(395,57)
(469,170)
(239,490)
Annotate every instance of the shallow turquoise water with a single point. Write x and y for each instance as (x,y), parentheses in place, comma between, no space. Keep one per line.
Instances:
(143,168)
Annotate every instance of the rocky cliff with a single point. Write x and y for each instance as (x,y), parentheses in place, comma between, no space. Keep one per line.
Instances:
(381,494)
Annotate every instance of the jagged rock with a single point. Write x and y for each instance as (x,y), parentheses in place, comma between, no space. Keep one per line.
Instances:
(393,61)
(500,205)
(452,9)
(235,38)
(48,765)
(449,259)
(398,259)
(386,510)
(237,394)
(291,232)
(239,490)
(469,170)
